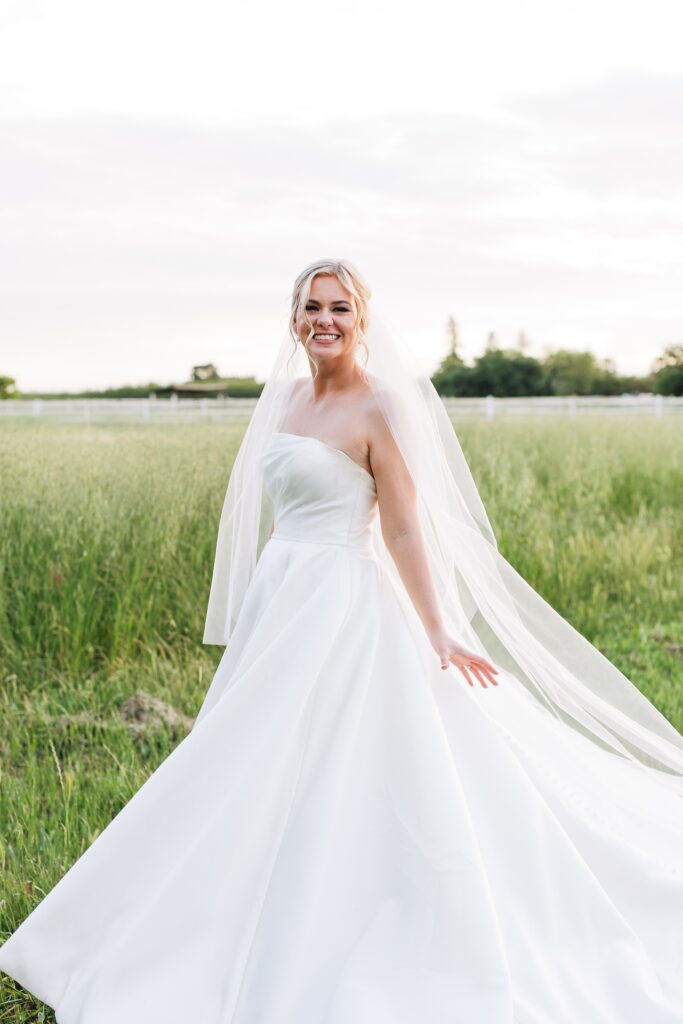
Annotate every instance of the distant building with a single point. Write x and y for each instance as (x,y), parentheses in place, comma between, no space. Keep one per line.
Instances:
(195,389)
(206,383)
(206,372)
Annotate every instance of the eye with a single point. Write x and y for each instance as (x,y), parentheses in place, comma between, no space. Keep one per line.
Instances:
(337,309)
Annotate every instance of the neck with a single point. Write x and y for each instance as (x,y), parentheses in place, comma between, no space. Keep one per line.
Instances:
(333,376)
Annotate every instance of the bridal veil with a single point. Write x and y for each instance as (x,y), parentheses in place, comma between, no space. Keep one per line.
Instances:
(488,606)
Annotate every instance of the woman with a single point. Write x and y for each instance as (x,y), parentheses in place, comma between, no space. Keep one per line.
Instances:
(353,833)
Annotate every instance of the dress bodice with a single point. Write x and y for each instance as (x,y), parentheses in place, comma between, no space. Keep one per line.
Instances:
(319,493)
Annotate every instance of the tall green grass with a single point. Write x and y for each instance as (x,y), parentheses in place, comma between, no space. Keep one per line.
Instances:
(106,551)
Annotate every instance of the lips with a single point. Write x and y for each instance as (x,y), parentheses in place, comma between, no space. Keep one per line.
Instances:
(323,336)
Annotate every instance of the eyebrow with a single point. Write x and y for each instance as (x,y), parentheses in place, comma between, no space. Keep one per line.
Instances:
(337,302)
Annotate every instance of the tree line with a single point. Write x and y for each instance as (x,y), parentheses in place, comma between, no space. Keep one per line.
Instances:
(507,372)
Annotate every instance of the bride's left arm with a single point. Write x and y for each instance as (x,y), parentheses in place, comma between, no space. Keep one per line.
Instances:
(402,534)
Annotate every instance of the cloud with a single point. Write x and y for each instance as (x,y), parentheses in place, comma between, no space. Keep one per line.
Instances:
(620,136)
(134,247)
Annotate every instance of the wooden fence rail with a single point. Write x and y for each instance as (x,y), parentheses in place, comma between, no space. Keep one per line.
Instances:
(239,410)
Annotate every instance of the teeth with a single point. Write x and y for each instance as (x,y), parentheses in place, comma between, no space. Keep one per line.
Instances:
(326,336)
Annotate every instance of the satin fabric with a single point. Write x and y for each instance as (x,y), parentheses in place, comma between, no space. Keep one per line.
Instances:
(351,835)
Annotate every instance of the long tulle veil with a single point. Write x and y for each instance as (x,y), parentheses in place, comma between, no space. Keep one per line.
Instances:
(487,604)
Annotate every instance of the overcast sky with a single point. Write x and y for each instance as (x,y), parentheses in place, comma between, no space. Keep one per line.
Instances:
(166,170)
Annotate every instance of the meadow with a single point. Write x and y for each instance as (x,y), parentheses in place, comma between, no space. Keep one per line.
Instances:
(106,551)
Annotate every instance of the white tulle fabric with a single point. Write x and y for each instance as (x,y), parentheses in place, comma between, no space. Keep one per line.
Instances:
(350,835)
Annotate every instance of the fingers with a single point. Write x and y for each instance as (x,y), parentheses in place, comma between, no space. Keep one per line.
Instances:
(478,674)
(466,674)
(481,669)
(483,674)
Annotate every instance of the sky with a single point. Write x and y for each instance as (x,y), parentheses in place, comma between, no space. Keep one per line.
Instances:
(167,169)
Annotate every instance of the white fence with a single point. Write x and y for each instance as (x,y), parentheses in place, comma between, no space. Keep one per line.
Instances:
(561,405)
(130,410)
(239,410)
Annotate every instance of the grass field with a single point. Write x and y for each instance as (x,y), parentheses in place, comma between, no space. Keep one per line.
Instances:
(106,551)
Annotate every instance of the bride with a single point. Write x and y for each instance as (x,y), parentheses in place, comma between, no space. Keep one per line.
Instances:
(413,793)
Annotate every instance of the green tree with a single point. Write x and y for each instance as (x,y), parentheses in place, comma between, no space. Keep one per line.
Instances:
(579,373)
(502,372)
(8,388)
(497,372)
(452,373)
(454,341)
(668,372)
(453,377)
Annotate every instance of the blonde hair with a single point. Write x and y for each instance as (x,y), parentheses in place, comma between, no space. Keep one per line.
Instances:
(349,278)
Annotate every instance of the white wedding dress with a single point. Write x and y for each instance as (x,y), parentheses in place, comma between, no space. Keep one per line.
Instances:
(351,835)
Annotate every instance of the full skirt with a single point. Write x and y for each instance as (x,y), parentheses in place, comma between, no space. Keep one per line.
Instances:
(352,835)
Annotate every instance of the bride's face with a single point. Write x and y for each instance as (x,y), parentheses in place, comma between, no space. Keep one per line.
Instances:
(332,311)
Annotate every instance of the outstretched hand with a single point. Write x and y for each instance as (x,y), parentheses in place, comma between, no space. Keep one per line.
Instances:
(453,653)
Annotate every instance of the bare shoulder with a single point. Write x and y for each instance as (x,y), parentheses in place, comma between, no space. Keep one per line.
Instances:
(383,451)
(376,427)
(378,401)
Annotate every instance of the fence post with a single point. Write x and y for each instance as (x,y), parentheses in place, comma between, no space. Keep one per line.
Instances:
(490,407)
(37,407)
(659,405)
(571,407)
(146,409)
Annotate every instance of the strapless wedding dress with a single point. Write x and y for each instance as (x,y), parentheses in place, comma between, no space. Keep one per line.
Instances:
(351,835)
